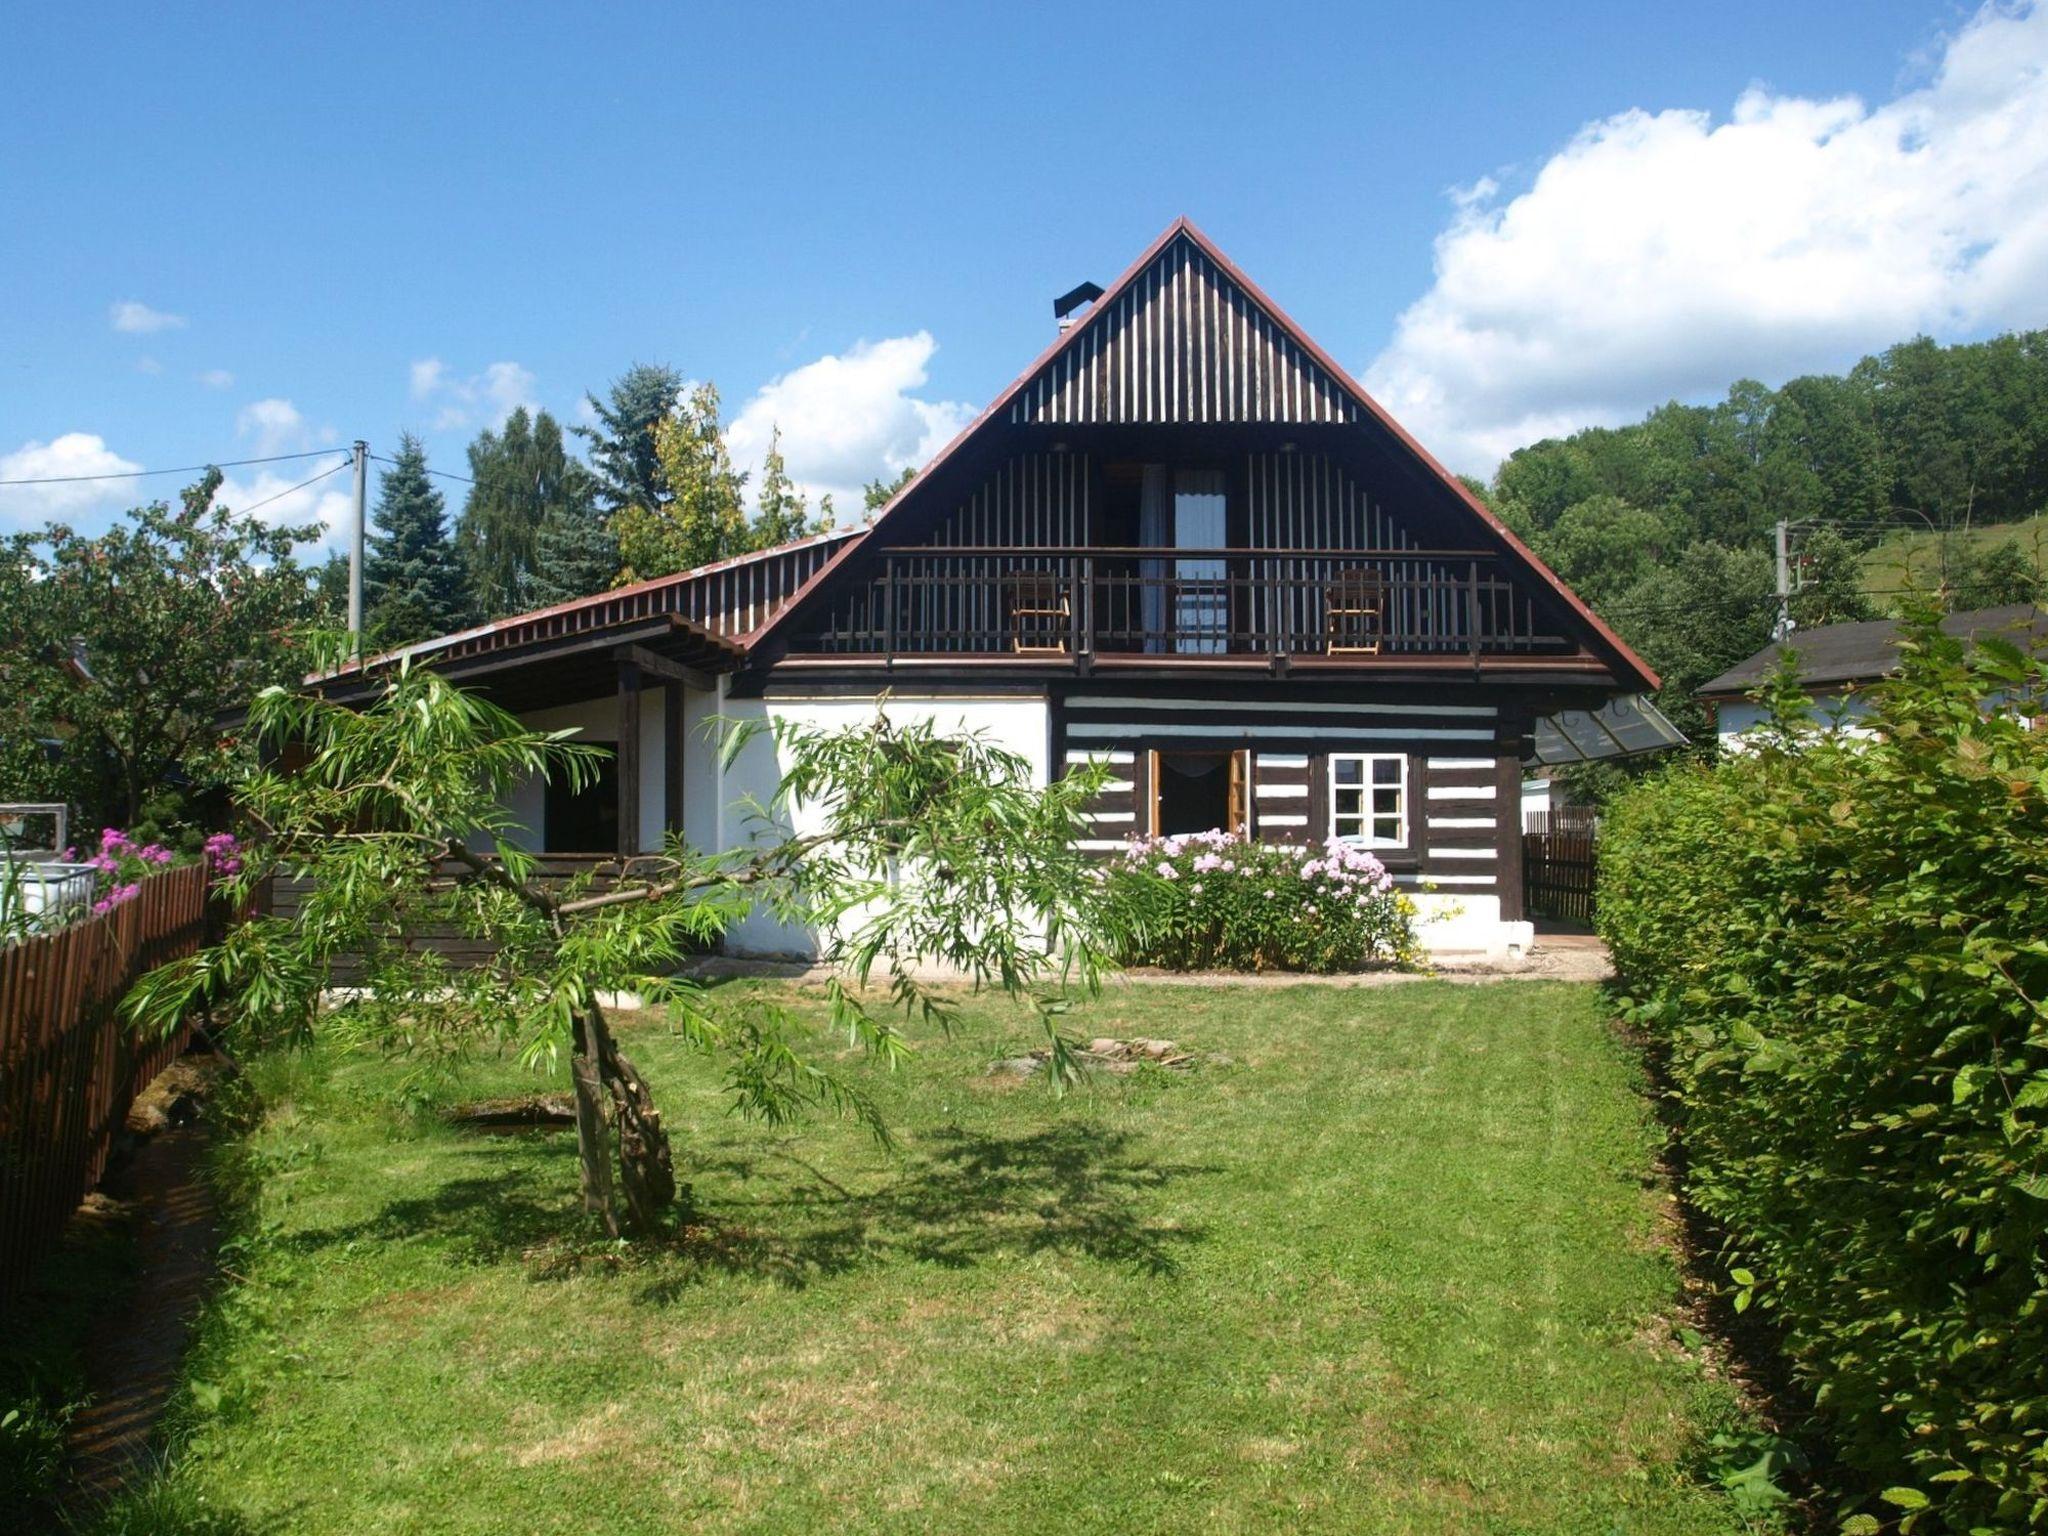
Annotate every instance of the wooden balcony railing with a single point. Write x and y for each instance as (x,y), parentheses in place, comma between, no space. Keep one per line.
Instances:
(1076,603)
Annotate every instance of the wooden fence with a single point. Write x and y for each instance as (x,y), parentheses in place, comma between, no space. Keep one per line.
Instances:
(284,895)
(1557,864)
(69,1064)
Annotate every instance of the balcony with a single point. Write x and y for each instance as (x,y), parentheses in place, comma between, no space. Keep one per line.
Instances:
(1094,605)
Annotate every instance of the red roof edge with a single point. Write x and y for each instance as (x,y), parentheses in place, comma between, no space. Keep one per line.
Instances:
(610,594)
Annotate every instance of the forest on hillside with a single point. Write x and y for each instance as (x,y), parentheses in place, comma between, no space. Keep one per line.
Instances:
(1667,526)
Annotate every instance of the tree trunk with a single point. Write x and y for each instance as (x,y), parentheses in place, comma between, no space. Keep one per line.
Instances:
(612,1095)
(593,1136)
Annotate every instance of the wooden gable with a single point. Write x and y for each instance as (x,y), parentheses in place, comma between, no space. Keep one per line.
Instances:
(1184,353)
(1182,340)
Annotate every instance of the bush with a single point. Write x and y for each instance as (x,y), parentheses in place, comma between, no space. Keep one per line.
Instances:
(1222,902)
(1842,944)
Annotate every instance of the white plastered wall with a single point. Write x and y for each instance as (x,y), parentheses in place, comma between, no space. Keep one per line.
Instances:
(1452,924)
(1017,725)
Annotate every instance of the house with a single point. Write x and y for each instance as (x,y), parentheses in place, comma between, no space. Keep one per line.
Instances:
(1837,662)
(1184,543)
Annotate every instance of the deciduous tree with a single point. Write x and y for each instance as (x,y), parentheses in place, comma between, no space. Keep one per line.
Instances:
(127,649)
(697,513)
(522,474)
(781,511)
(929,849)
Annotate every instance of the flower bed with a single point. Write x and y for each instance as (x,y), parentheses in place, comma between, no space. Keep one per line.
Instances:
(1213,900)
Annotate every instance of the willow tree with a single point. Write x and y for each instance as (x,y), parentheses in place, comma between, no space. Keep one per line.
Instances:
(924,851)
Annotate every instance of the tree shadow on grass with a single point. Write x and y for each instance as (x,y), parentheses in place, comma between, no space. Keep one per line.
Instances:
(957,1199)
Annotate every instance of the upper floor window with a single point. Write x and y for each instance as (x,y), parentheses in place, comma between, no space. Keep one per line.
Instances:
(1369,799)
(1187,600)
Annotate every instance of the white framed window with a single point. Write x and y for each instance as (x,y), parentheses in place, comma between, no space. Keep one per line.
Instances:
(1369,798)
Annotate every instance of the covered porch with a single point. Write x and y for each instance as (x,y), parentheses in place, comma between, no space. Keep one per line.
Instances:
(642,690)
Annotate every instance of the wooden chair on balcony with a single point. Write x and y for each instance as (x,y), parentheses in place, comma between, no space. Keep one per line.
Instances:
(1041,613)
(1354,612)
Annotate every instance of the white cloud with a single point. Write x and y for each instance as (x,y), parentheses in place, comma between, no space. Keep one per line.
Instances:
(273,425)
(216,378)
(72,454)
(148,365)
(849,417)
(488,397)
(138,319)
(330,503)
(1661,254)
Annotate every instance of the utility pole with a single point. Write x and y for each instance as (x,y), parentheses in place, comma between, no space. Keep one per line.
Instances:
(1783,628)
(355,549)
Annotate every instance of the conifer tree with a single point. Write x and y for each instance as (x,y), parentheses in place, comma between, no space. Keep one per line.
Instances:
(412,580)
(574,555)
(622,455)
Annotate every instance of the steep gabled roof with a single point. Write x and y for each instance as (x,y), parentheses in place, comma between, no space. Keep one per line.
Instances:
(1103,364)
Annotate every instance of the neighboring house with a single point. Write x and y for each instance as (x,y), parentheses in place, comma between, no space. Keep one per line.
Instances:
(1837,662)
(1184,543)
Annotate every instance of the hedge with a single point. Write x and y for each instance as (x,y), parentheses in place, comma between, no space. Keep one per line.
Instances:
(1841,941)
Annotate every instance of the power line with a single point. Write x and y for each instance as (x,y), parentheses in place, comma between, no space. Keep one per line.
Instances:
(332,469)
(189,469)
(438,473)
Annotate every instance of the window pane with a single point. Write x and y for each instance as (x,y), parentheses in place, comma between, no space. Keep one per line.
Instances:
(1350,802)
(1349,770)
(1386,770)
(1386,829)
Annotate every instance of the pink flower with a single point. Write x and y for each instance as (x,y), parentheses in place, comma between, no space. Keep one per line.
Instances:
(223,854)
(1167,871)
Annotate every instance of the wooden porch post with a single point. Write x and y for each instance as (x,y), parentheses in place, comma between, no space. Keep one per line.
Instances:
(1507,795)
(629,758)
(672,757)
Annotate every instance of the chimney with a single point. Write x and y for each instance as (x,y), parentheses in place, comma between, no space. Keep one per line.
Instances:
(1067,307)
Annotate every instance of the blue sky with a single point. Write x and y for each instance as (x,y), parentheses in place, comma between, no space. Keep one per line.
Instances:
(1509,219)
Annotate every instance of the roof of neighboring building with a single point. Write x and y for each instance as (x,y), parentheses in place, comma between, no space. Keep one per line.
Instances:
(1835,654)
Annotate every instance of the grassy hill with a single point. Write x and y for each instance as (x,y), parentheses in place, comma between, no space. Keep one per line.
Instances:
(1915,559)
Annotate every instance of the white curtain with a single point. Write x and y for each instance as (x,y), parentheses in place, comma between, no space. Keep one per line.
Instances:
(1155,531)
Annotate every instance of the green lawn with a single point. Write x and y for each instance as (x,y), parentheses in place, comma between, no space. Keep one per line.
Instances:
(1393,1267)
